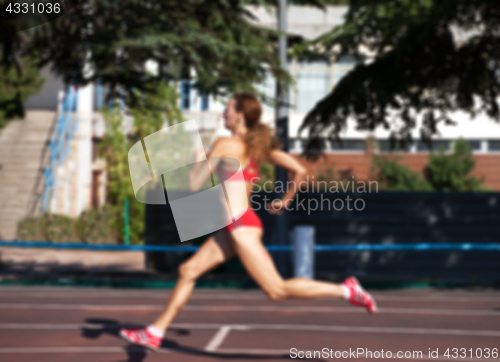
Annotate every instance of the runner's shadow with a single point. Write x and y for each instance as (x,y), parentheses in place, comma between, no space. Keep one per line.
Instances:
(138,353)
(111,327)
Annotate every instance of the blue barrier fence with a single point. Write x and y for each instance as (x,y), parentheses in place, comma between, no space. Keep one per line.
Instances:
(415,235)
(272,248)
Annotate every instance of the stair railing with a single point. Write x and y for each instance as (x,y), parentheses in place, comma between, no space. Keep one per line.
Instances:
(60,144)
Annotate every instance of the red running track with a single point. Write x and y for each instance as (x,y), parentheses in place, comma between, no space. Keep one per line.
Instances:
(81,324)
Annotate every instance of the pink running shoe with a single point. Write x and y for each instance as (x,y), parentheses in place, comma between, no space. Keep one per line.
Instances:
(141,337)
(359,296)
(352,281)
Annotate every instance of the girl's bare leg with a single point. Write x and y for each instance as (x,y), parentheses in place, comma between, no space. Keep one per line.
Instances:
(259,264)
(216,250)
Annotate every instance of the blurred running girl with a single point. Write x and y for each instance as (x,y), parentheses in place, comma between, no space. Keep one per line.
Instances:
(251,143)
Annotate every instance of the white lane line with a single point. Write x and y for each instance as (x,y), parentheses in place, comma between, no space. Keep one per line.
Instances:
(274,327)
(221,335)
(96,326)
(77,306)
(48,326)
(105,349)
(105,294)
(429,299)
(287,352)
(251,308)
(228,351)
(396,330)
(242,296)
(111,349)
(264,351)
(218,338)
(71,326)
(459,312)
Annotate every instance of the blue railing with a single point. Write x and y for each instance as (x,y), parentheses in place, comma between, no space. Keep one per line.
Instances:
(277,248)
(60,144)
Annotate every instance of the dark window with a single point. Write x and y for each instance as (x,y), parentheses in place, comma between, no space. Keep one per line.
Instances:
(436,145)
(204,101)
(475,145)
(347,145)
(494,145)
(313,83)
(342,67)
(185,93)
(294,145)
(302,144)
(95,148)
(385,146)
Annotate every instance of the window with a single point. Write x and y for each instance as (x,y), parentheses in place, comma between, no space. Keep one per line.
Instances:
(268,87)
(185,95)
(294,145)
(342,66)
(302,143)
(385,146)
(353,145)
(204,101)
(475,145)
(347,145)
(494,145)
(313,84)
(435,146)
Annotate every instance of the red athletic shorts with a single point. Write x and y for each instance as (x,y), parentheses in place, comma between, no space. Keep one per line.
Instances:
(248,219)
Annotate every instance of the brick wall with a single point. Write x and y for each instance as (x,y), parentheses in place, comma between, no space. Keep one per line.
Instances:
(359,164)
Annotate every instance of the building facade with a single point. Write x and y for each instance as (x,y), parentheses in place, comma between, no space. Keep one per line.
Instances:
(82,177)
(315,79)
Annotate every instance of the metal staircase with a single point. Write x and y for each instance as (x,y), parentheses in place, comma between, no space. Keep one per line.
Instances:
(23,152)
(30,151)
(60,144)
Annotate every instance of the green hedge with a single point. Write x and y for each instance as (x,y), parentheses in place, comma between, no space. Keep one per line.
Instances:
(92,227)
(98,226)
(393,176)
(444,172)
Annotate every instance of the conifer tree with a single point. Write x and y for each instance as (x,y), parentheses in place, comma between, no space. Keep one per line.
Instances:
(16,86)
(431,58)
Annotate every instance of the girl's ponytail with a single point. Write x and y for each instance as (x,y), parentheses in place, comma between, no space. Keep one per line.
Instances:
(260,139)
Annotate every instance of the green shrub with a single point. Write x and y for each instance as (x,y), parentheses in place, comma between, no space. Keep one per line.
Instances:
(392,176)
(17,85)
(444,172)
(99,226)
(452,172)
(93,227)
(31,229)
(150,111)
(60,228)
(328,177)
(49,227)
(326,174)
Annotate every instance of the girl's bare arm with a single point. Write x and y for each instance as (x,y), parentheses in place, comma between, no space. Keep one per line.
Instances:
(291,164)
(201,170)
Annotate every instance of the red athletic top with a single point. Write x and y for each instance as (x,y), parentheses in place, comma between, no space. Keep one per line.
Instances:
(250,172)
